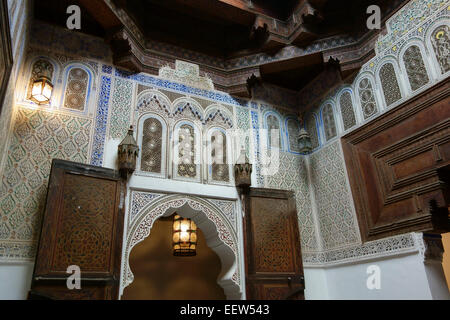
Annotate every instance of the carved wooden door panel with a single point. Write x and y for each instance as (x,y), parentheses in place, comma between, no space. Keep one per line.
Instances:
(274,269)
(82,226)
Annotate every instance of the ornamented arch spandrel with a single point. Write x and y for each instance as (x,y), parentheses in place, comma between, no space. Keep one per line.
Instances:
(219,233)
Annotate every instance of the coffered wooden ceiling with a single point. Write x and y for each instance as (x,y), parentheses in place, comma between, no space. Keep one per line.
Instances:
(235,28)
(221,31)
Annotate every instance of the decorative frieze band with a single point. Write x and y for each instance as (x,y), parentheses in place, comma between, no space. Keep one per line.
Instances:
(393,246)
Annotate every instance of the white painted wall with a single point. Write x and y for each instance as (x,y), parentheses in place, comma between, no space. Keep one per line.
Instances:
(315,284)
(402,278)
(15,280)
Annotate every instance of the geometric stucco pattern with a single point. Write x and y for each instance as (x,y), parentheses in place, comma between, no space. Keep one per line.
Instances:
(120,108)
(401,244)
(414,13)
(337,219)
(138,200)
(38,137)
(243,123)
(293,176)
(228,210)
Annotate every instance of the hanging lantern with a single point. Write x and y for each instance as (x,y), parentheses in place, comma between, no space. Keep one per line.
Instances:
(243,171)
(42,87)
(304,141)
(184,237)
(128,151)
(41,92)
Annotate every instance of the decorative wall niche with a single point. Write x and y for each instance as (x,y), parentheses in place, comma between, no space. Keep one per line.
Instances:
(152,140)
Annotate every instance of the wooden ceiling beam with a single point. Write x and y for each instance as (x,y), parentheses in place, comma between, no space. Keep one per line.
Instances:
(100,11)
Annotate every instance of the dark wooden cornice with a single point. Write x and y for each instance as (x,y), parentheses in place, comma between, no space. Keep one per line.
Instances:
(292,43)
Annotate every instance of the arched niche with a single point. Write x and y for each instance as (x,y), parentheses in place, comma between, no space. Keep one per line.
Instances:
(218,233)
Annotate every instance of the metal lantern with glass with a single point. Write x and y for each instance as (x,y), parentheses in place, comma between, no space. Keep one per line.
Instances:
(41,90)
(184,237)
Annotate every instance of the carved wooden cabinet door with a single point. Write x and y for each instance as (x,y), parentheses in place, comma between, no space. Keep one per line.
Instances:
(274,269)
(82,226)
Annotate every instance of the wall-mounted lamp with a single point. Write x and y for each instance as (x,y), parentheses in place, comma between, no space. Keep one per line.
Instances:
(42,87)
(184,237)
(41,92)
(128,151)
(304,141)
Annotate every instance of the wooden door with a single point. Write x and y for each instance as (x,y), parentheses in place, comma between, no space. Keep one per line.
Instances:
(274,269)
(82,226)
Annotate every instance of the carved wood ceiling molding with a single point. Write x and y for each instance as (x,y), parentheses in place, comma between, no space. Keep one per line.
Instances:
(291,39)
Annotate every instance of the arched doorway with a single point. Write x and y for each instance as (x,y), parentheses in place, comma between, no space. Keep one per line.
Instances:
(159,275)
(217,230)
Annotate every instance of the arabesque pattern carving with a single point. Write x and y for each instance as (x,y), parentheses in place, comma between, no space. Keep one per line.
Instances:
(76,89)
(337,219)
(85,233)
(38,137)
(402,244)
(440,39)
(347,111)
(294,177)
(328,122)
(272,252)
(186,152)
(152,146)
(411,15)
(367,97)
(415,68)
(389,84)
(121,108)
(141,228)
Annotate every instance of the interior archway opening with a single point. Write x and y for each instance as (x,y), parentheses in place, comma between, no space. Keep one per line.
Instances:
(159,275)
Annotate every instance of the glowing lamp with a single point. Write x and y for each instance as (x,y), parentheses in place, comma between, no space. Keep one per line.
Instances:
(184,237)
(41,91)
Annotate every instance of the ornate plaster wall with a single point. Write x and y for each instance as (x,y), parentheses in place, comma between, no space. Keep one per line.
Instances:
(116,99)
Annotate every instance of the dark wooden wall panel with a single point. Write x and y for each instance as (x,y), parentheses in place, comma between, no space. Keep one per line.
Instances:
(273,261)
(82,226)
(394,165)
